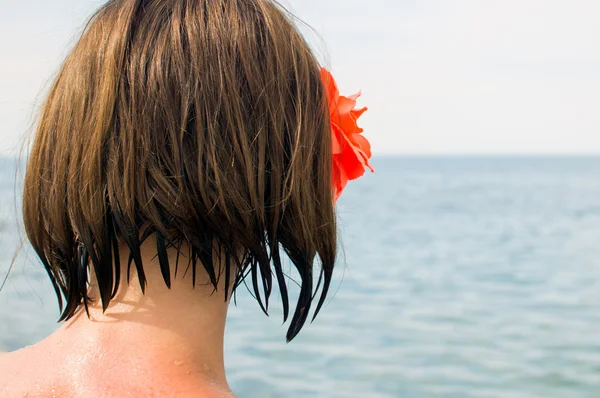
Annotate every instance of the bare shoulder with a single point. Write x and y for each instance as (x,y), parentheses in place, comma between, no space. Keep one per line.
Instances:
(6,369)
(25,373)
(39,371)
(9,372)
(207,390)
(158,386)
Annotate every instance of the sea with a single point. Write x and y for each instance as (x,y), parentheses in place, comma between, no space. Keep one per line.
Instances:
(457,277)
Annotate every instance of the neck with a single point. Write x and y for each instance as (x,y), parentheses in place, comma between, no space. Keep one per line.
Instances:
(175,332)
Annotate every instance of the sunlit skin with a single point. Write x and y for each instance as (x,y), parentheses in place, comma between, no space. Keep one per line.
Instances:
(174,337)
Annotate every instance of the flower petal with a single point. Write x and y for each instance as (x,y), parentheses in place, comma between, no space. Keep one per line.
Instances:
(351,151)
(365,148)
(336,146)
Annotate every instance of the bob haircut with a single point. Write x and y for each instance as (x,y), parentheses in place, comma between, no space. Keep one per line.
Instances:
(201,122)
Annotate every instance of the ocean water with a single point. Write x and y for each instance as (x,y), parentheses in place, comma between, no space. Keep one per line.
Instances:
(460,277)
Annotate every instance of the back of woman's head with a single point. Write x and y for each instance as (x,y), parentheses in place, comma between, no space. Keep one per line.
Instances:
(202,123)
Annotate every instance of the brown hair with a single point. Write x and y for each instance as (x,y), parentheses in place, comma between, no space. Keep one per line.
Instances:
(202,122)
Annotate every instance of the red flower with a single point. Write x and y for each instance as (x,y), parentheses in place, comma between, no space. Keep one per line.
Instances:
(351,151)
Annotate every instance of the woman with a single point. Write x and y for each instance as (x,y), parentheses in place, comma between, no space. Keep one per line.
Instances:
(184,146)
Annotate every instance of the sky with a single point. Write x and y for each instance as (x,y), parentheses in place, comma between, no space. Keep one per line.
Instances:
(439,77)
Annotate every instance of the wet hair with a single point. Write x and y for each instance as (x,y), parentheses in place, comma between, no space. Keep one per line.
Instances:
(203,123)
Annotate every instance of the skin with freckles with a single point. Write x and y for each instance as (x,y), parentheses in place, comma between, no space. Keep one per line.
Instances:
(164,343)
